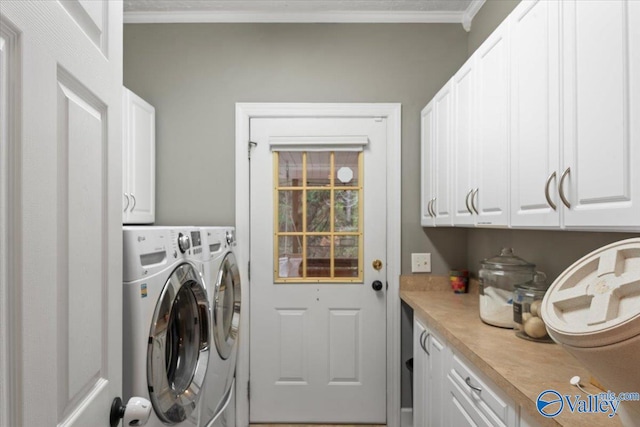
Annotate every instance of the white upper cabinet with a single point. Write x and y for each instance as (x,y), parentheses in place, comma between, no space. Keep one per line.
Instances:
(139,160)
(437,129)
(491,196)
(426,140)
(600,178)
(535,119)
(441,159)
(545,122)
(463,159)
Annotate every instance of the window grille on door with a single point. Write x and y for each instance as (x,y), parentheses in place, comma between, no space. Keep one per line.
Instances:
(318,216)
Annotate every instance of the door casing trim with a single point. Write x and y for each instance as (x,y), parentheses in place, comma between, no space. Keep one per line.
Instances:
(392,112)
(10,228)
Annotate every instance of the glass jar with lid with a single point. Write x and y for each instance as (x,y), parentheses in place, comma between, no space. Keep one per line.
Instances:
(498,277)
(527,300)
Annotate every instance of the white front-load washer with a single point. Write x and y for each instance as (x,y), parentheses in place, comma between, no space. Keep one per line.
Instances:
(224,292)
(166,337)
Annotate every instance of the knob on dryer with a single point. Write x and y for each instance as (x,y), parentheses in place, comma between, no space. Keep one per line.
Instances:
(184,243)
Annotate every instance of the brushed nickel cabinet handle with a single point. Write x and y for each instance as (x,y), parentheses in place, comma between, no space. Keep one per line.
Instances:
(424,343)
(546,191)
(466,201)
(421,339)
(134,202)
(468,381)
(473,204)
(433,208)
(561,187)
(127,205)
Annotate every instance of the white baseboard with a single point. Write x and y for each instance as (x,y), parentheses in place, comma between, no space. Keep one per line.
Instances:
(406,417)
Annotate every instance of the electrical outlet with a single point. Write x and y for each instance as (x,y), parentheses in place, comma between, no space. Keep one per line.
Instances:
(421,263)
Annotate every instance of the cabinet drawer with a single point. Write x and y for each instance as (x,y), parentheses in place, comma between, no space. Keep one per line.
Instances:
(464,411)
(485,395)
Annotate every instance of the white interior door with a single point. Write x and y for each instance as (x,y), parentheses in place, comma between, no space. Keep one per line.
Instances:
(67,244)
(318,221)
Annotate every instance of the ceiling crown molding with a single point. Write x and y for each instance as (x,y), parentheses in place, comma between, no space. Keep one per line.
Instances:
(156,17)
(463,17)
(470,13)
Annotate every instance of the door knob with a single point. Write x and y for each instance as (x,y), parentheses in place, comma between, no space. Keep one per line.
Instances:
(376,285)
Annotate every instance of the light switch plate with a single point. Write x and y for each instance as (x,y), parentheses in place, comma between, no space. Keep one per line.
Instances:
(421,263)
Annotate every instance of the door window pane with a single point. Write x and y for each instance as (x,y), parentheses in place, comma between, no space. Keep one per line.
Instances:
(319,256)
(346,256)
(318,211)
(290,211)
(346,210)
(318,168)
(290,250)
(290,169)
(347,165)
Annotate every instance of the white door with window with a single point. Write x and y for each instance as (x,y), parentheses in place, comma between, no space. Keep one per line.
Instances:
(318,270)
(63,65)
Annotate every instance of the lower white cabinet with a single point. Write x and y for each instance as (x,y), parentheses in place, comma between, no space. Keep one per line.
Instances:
(430,358)
(450,391)
(420,373)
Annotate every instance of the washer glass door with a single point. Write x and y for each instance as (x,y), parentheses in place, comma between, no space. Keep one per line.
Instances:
(226,306)
(178,350)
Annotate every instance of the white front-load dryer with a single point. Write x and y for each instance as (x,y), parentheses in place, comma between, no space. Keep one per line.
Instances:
(166,337)
(224,294)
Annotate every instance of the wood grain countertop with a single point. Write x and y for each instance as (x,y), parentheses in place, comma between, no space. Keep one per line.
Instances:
(522,369)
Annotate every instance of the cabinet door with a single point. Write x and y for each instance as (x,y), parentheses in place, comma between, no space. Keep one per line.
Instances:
(441,160)
(463,159)
(420,371)
(437,375)
(535,131)
(126,199)
(492,130)
(601,106)
(142,157)
(426,180)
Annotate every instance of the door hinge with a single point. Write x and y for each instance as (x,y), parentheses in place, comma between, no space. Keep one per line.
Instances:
(250,146)
(249,390)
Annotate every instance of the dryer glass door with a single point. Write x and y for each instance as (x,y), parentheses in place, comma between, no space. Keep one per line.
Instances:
(178,350)
(226,307)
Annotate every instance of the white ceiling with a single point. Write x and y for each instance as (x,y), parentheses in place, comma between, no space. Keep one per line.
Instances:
(154,11)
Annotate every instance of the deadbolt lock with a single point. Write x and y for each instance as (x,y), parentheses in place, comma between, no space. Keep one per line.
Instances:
(377,264)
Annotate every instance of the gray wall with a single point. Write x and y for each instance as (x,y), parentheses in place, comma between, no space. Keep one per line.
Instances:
(490,15)
(551,251)
(195,73)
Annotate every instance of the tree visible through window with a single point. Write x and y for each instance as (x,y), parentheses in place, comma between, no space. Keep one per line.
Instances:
(318,199)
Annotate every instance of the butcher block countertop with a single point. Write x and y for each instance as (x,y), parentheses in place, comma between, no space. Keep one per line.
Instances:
(521,368)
